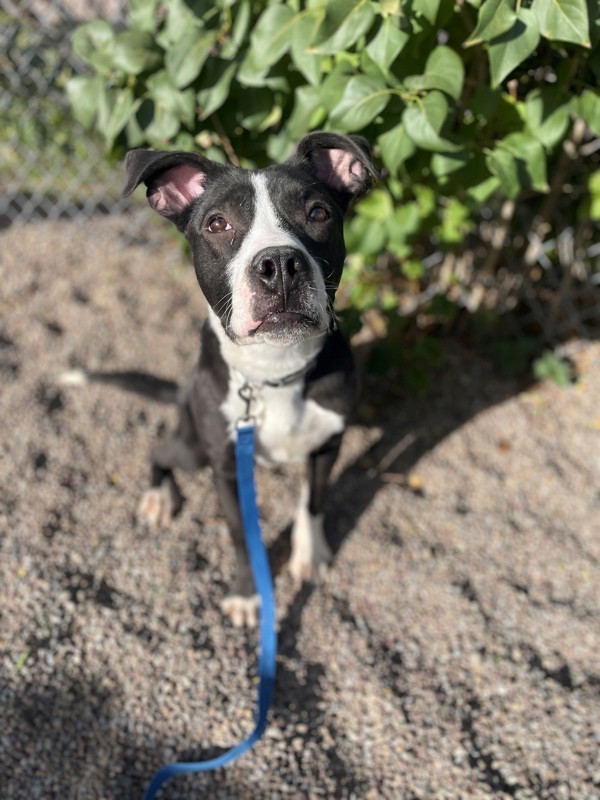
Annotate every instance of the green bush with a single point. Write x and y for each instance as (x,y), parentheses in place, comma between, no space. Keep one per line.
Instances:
(480,114)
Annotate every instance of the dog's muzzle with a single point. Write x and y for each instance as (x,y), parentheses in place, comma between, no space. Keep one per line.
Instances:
(284,293)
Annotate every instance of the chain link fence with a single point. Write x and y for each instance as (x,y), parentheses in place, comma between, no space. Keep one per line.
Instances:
(52,169)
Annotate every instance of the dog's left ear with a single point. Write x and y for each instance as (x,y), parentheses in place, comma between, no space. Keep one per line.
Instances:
(342,162)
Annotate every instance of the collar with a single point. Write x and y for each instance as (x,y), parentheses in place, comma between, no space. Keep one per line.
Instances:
(249,389)
(287,380)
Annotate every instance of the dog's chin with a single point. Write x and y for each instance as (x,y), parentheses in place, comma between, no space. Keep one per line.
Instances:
(283,329)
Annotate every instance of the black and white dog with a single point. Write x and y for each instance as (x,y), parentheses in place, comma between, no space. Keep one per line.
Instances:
(268,252)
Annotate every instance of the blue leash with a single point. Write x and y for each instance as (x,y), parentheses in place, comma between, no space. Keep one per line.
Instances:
(259,562)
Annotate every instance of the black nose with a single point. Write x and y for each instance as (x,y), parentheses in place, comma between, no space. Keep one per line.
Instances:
(280,269)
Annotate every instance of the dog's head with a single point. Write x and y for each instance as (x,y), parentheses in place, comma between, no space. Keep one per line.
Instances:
(268,246)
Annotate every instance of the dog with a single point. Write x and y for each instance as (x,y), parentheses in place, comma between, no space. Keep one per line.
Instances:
(268,252)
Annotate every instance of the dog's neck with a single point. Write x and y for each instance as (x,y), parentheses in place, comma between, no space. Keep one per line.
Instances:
(265,363)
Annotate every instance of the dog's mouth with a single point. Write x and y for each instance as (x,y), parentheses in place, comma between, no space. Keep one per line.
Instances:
(282,328)
(282,320)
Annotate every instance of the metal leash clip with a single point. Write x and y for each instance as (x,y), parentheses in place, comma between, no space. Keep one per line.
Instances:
(246,393)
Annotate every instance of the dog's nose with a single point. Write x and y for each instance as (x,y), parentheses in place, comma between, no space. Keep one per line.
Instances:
(280,269)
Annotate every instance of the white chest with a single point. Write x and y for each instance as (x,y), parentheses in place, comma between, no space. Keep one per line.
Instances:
(288,427)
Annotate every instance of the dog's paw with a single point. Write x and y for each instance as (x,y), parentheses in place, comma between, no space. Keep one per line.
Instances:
(310,568)
(311,554)
(156,509)
(241,610)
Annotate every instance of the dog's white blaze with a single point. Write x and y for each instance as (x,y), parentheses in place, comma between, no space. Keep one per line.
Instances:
(266,231)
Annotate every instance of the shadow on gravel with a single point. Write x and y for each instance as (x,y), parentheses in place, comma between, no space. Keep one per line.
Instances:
(67,733)
(76,734)
(412,424)
(299,706)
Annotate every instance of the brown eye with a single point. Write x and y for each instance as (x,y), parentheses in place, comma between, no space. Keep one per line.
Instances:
(318,214)
(218,225)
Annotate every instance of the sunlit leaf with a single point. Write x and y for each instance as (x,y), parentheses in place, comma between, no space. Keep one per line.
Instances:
(512,48)
(443,70)
(345,21)
(363,99)
(495,18)
(387,44)
(563,20)
(423,121)
(396,146)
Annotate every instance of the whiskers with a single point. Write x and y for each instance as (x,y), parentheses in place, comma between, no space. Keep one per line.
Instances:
(224,308)
(324,303)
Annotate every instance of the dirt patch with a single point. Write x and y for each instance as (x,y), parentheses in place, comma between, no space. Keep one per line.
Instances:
(452,652)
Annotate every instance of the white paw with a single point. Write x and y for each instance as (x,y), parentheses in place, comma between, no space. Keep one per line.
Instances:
(242,611)
(310,552)
(156,508)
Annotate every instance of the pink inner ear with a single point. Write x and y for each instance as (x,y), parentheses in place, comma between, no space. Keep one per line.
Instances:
(173,190)
(338,168)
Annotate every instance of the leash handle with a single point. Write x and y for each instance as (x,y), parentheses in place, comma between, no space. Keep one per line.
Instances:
(267,659)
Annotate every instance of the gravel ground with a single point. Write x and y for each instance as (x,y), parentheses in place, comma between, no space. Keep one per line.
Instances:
(452,652)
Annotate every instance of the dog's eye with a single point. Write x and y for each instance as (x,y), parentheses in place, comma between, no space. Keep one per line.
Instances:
(318,214)
(218,225)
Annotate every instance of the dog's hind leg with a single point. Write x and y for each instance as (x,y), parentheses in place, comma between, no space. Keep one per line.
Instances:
(181,450)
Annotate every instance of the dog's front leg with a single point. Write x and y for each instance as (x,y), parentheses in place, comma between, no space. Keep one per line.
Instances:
(241,604)
(310,551)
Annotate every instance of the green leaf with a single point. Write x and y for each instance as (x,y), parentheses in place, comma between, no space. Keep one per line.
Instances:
(519,162)
(303,35)
(134,52)
(387,44)
(396,146)
(594,188)
(84,94)
(423,121)
(165,93)
(413,270)
(333,86)
(217,81)
(180,21)
(443,70)
(142,14)
(364,236)
(480,192)
(426,198)
(344,23)
(456,222)
(563,20)
(114,109)
(377,206)
(169,107)
(239,30)
(427,8)
(272,34)
(363,99)
(546,116)
(308,111)
(254,109)
(443,164)
(185,60)
(552,368)
(506,52)
(495,18)
(588,107)
(405,221)
(93,44)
